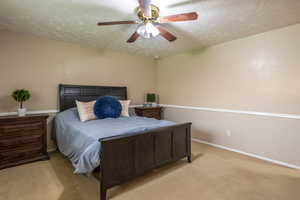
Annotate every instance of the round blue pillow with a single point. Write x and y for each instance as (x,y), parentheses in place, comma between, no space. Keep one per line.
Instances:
(107,107)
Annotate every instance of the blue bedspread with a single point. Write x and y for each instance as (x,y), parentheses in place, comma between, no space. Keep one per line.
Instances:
(79,141)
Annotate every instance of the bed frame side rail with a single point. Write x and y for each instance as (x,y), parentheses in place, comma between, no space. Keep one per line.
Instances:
(126,157)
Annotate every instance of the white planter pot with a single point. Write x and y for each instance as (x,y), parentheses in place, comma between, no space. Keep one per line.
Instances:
(22,112)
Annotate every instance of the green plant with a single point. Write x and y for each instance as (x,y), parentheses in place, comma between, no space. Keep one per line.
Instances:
(151,98)
(20,96)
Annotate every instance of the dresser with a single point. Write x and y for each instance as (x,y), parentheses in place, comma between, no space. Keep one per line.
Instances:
(22,140)
(151,112)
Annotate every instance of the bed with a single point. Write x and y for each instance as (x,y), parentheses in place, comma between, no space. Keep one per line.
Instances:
(123,148)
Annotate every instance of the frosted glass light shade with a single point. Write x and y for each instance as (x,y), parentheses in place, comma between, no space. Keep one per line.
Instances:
(147,30)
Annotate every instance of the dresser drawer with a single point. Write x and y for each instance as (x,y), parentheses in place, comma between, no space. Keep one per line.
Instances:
(150,114)
(18,134)
(30,126)
(18,155)
(9,144)
(17,130)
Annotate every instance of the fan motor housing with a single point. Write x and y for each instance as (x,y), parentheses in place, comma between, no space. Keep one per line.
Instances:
(154,10)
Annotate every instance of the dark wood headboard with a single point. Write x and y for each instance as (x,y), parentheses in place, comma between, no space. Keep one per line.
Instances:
(69,93)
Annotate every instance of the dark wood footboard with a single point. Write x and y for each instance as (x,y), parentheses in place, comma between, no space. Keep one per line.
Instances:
(126,157)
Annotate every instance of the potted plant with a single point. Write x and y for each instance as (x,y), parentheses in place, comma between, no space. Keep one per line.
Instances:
(151,99)
(21,96)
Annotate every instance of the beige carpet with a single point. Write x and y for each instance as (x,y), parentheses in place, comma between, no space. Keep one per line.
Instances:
(214,175)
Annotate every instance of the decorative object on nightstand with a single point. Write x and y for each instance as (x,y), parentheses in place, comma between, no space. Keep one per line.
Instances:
(151,100)
(151,112)
(22,140)
(21,96)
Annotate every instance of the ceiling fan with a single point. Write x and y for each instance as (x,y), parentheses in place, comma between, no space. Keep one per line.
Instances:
(149,22)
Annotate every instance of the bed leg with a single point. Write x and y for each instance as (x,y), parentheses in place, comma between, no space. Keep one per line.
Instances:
(189,159)
(103,193)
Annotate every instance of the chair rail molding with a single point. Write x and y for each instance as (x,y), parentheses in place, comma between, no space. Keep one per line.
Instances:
(54,111)
(31,112)
(266,114)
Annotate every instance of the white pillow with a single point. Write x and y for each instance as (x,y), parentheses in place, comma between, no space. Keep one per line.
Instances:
(86,110)
(125,108)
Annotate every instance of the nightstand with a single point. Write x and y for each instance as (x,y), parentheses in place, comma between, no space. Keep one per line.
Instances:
(22,140)
(151,112)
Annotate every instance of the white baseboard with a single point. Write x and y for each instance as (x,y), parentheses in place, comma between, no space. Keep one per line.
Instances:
(51,150)
(248,154)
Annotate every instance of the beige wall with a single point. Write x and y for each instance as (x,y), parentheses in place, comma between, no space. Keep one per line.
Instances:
(259,73)
(39,65)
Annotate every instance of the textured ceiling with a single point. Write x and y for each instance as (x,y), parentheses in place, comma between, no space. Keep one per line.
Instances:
(75,21)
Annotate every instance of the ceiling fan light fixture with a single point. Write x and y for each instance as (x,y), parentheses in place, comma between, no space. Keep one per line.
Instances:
(148,30)
(150,21)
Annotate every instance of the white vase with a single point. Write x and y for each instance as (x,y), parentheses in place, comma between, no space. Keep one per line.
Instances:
(22,112)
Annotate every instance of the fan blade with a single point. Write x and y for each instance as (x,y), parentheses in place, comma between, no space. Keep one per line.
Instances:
(179,17)
(145,7)
(166,34)
(116,23)
(133,37)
